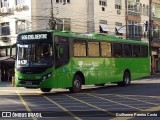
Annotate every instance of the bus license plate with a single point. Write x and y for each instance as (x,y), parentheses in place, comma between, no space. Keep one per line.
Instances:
(28,83)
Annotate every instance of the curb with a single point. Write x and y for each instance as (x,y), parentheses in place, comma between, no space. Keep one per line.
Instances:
(5,84)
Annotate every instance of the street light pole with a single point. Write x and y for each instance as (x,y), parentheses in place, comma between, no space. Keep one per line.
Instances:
(52,22)
(150,33)
(52,10)
(63,24)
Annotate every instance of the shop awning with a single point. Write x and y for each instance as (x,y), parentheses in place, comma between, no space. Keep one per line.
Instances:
(104,27)
(6,59)
(119,29)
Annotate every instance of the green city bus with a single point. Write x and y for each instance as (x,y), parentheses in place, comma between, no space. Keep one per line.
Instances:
(61,59)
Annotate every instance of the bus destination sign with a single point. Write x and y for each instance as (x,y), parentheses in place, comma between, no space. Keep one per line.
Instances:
(34,37)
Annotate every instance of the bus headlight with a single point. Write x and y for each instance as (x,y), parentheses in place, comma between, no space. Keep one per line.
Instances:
(47,76)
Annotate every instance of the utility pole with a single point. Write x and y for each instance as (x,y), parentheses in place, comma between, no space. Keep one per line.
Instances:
(63,24)
(52,10)
(150,33)
(52,22)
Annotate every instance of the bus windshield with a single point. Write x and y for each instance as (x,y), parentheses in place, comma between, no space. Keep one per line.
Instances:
(34,54)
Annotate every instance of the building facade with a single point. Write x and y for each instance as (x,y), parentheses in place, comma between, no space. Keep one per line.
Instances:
(155,19)
(88,16)
(18,16)
(137,15)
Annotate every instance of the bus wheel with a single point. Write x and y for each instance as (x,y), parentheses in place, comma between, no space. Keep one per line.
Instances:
(126,79)
(76,85)
(46,89)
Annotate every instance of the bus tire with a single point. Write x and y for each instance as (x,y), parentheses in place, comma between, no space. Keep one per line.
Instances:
(76,84)
(126,80)
(46,89)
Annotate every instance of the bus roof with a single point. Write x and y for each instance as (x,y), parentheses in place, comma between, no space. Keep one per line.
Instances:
(94,36)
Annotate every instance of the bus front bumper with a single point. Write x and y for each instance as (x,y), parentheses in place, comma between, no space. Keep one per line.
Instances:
(28,83)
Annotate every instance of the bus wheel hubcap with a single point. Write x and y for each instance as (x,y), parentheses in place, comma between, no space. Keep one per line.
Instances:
(127,79)
(77,83)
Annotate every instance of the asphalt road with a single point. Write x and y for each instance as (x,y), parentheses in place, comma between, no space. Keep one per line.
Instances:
(140,100)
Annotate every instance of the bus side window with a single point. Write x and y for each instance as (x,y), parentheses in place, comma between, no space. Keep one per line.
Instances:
(79,48)
(117,50)
(144,51)
(136,51)
(106,49)
(93,49)
(127,50)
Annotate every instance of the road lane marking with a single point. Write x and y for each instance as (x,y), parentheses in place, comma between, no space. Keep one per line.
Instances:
(153,109)
(113,102)
(61,107)
(25,104)
(101,109)
(18,90)
(157,97)
(137,100)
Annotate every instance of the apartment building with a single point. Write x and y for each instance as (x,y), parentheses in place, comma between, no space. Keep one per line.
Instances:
(105,16)
(21,15)
(88,16)
(155,35)
(137,15)
(18,16)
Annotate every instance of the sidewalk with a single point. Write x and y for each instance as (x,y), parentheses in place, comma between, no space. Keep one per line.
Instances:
(6,84)
(155,75)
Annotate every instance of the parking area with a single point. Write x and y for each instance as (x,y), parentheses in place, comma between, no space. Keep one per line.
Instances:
(140,99)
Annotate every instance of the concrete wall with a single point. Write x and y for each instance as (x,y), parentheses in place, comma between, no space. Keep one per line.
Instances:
(76,10)
(86,14)
(41,12)
(90,16)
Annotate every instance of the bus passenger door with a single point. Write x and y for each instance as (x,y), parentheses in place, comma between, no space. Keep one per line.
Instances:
(62,58)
